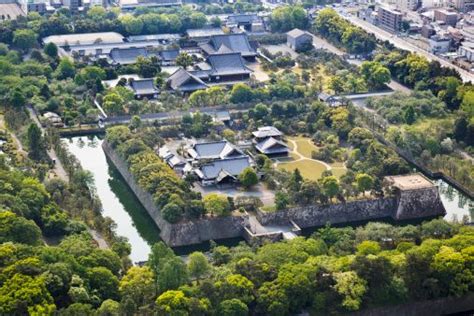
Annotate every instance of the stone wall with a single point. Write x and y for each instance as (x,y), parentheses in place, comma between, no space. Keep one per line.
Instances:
(185,232)
(319,215)
(421,203)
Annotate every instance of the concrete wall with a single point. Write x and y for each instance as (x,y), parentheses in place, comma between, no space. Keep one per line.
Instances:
(185,232)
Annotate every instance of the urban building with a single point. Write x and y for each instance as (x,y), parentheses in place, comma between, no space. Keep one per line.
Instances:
(439,44)
(407,5)
(389,19)
(445,16)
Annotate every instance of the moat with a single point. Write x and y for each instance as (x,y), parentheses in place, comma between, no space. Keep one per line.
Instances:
(133,222)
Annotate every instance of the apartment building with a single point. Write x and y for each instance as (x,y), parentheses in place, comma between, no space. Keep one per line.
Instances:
(389,19)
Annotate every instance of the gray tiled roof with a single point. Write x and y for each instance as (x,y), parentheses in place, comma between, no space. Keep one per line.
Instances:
(238,43)
(232,167)
(214,150)
(267,131)
(144,87)
(242,18)
(184,81)
(271,145)
(227,64)
(126,56)
(204,32)
(296,33)
(169,55)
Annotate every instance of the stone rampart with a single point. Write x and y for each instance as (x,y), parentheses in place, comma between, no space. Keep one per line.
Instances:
(185,232)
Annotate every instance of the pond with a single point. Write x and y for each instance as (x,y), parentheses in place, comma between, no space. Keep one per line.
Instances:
(133,221)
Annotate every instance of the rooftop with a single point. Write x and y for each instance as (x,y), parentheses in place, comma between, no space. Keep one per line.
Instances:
(267,131)
(296,33)
(237,43)
(409,182)
(125,56)
(214,150)
(231,167)
(154,37)
(84,39)
(10,11)
(144,86)
(204,32)
(184,81)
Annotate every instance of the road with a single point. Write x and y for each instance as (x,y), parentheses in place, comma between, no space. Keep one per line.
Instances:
(403,44)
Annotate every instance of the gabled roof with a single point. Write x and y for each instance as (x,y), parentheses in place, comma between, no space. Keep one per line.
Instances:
(242,18)
(182,80)
(267,131)
(126,56)
(237,43)
(204,32)
(84,38)
(219,169)
(271,145)
(297,33)
(214,150)
(227,64)
(144,86)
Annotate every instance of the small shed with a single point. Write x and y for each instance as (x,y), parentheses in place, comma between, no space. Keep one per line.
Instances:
(298,39)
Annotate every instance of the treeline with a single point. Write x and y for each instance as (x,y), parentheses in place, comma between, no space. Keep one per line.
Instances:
(336,29)
(336,270)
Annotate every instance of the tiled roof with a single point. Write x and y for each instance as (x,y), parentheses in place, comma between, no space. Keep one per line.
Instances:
(144,86)
(184,81)
(214,150)
(84,38)
(238,43)
(126,56)
(267,131)
(227,64)
(169,55)
(242,18)
(271,145)
(192,33)
(232,167)
(296,33)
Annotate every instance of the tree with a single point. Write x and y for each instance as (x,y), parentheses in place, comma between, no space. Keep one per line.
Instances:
(108,308)
(184,60)
(352,289)
(248,177)
(281,200)
(217,204)
(233,307)
(409,115)
(198,265)
(138,284)
(241,93)
(173,303)
(35,142)
(330,186)
(172,213)
(103,282)
(147,67)
(236,286)
(133,25)
(17,98)
(24,39)
(65,69)
(375,74)
(368,247)
(172,274)
(51,50)
(364,182)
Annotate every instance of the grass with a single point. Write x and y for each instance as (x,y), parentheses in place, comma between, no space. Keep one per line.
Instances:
(309,169)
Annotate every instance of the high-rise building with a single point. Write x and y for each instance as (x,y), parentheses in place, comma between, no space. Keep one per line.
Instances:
(445,16)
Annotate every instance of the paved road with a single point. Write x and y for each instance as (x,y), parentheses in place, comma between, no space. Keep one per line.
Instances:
(403,44)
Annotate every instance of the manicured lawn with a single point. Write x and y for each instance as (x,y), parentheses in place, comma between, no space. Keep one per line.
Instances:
(309,169)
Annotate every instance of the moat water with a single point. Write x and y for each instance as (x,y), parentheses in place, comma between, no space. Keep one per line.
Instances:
(133,222)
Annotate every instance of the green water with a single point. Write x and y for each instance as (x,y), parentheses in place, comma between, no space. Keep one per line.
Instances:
(118,201)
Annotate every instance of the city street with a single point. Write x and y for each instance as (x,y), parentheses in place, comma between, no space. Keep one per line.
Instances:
(403,44)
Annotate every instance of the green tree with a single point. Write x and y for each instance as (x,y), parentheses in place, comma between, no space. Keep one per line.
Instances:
(172,274)
(172,213)
(24,39)
(233,307)
(138,284)
(103,282)
(281,200)
(173,303)
(17,98)
(241,93)
(65,69)
(198,265)
(351,288)
(133,25)
(409,115)
(364,182)
(184,60)
(248,177)
(330,186)
(35,142)
(108,308)
(51,50)
(217,204)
